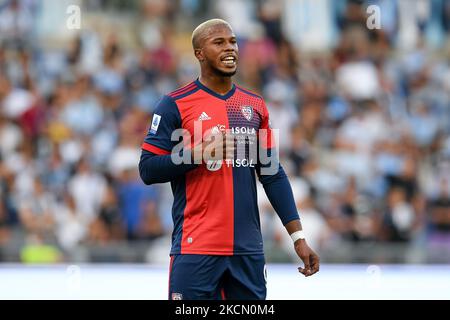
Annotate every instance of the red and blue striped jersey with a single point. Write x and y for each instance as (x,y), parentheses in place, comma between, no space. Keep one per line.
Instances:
(215,209)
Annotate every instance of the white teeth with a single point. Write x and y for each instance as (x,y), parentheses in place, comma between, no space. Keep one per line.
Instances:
(230,60)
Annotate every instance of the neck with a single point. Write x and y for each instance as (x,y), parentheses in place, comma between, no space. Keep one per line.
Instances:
(219,84)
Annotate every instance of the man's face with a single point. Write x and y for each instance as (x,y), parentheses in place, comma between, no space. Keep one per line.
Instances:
(219,51)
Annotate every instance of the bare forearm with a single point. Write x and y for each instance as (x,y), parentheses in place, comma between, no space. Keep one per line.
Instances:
(294,225)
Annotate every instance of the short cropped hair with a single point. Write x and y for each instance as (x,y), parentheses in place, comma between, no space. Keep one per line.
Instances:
(201,29)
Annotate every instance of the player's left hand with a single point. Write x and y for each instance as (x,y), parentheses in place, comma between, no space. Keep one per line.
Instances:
(308,256)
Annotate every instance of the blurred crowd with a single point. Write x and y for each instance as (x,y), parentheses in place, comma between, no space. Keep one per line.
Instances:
(363,117)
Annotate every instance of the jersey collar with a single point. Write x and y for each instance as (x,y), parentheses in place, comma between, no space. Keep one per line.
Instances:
(215,94)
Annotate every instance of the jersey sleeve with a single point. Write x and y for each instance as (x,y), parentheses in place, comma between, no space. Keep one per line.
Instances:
(166,119)
(274,180)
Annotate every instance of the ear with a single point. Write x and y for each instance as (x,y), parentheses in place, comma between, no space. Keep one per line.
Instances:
(199,54)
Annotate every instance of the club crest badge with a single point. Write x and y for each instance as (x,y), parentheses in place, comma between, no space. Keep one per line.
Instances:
(247,112)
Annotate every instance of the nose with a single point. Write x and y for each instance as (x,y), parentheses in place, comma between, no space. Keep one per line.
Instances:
(230,46)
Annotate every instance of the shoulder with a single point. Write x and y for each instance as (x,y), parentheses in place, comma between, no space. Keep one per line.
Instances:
(167,109)
(255,99)
(249,93)
(165,104)
(170,98)
(168,102)
(183,91)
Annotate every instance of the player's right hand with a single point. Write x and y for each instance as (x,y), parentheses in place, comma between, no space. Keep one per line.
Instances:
(217,146)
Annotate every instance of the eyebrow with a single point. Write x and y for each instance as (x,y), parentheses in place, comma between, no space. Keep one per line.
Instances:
(223,38)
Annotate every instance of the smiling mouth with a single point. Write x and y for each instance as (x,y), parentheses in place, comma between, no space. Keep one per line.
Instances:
(229,61)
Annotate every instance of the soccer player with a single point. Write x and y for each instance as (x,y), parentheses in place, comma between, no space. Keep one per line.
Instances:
(217,247)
